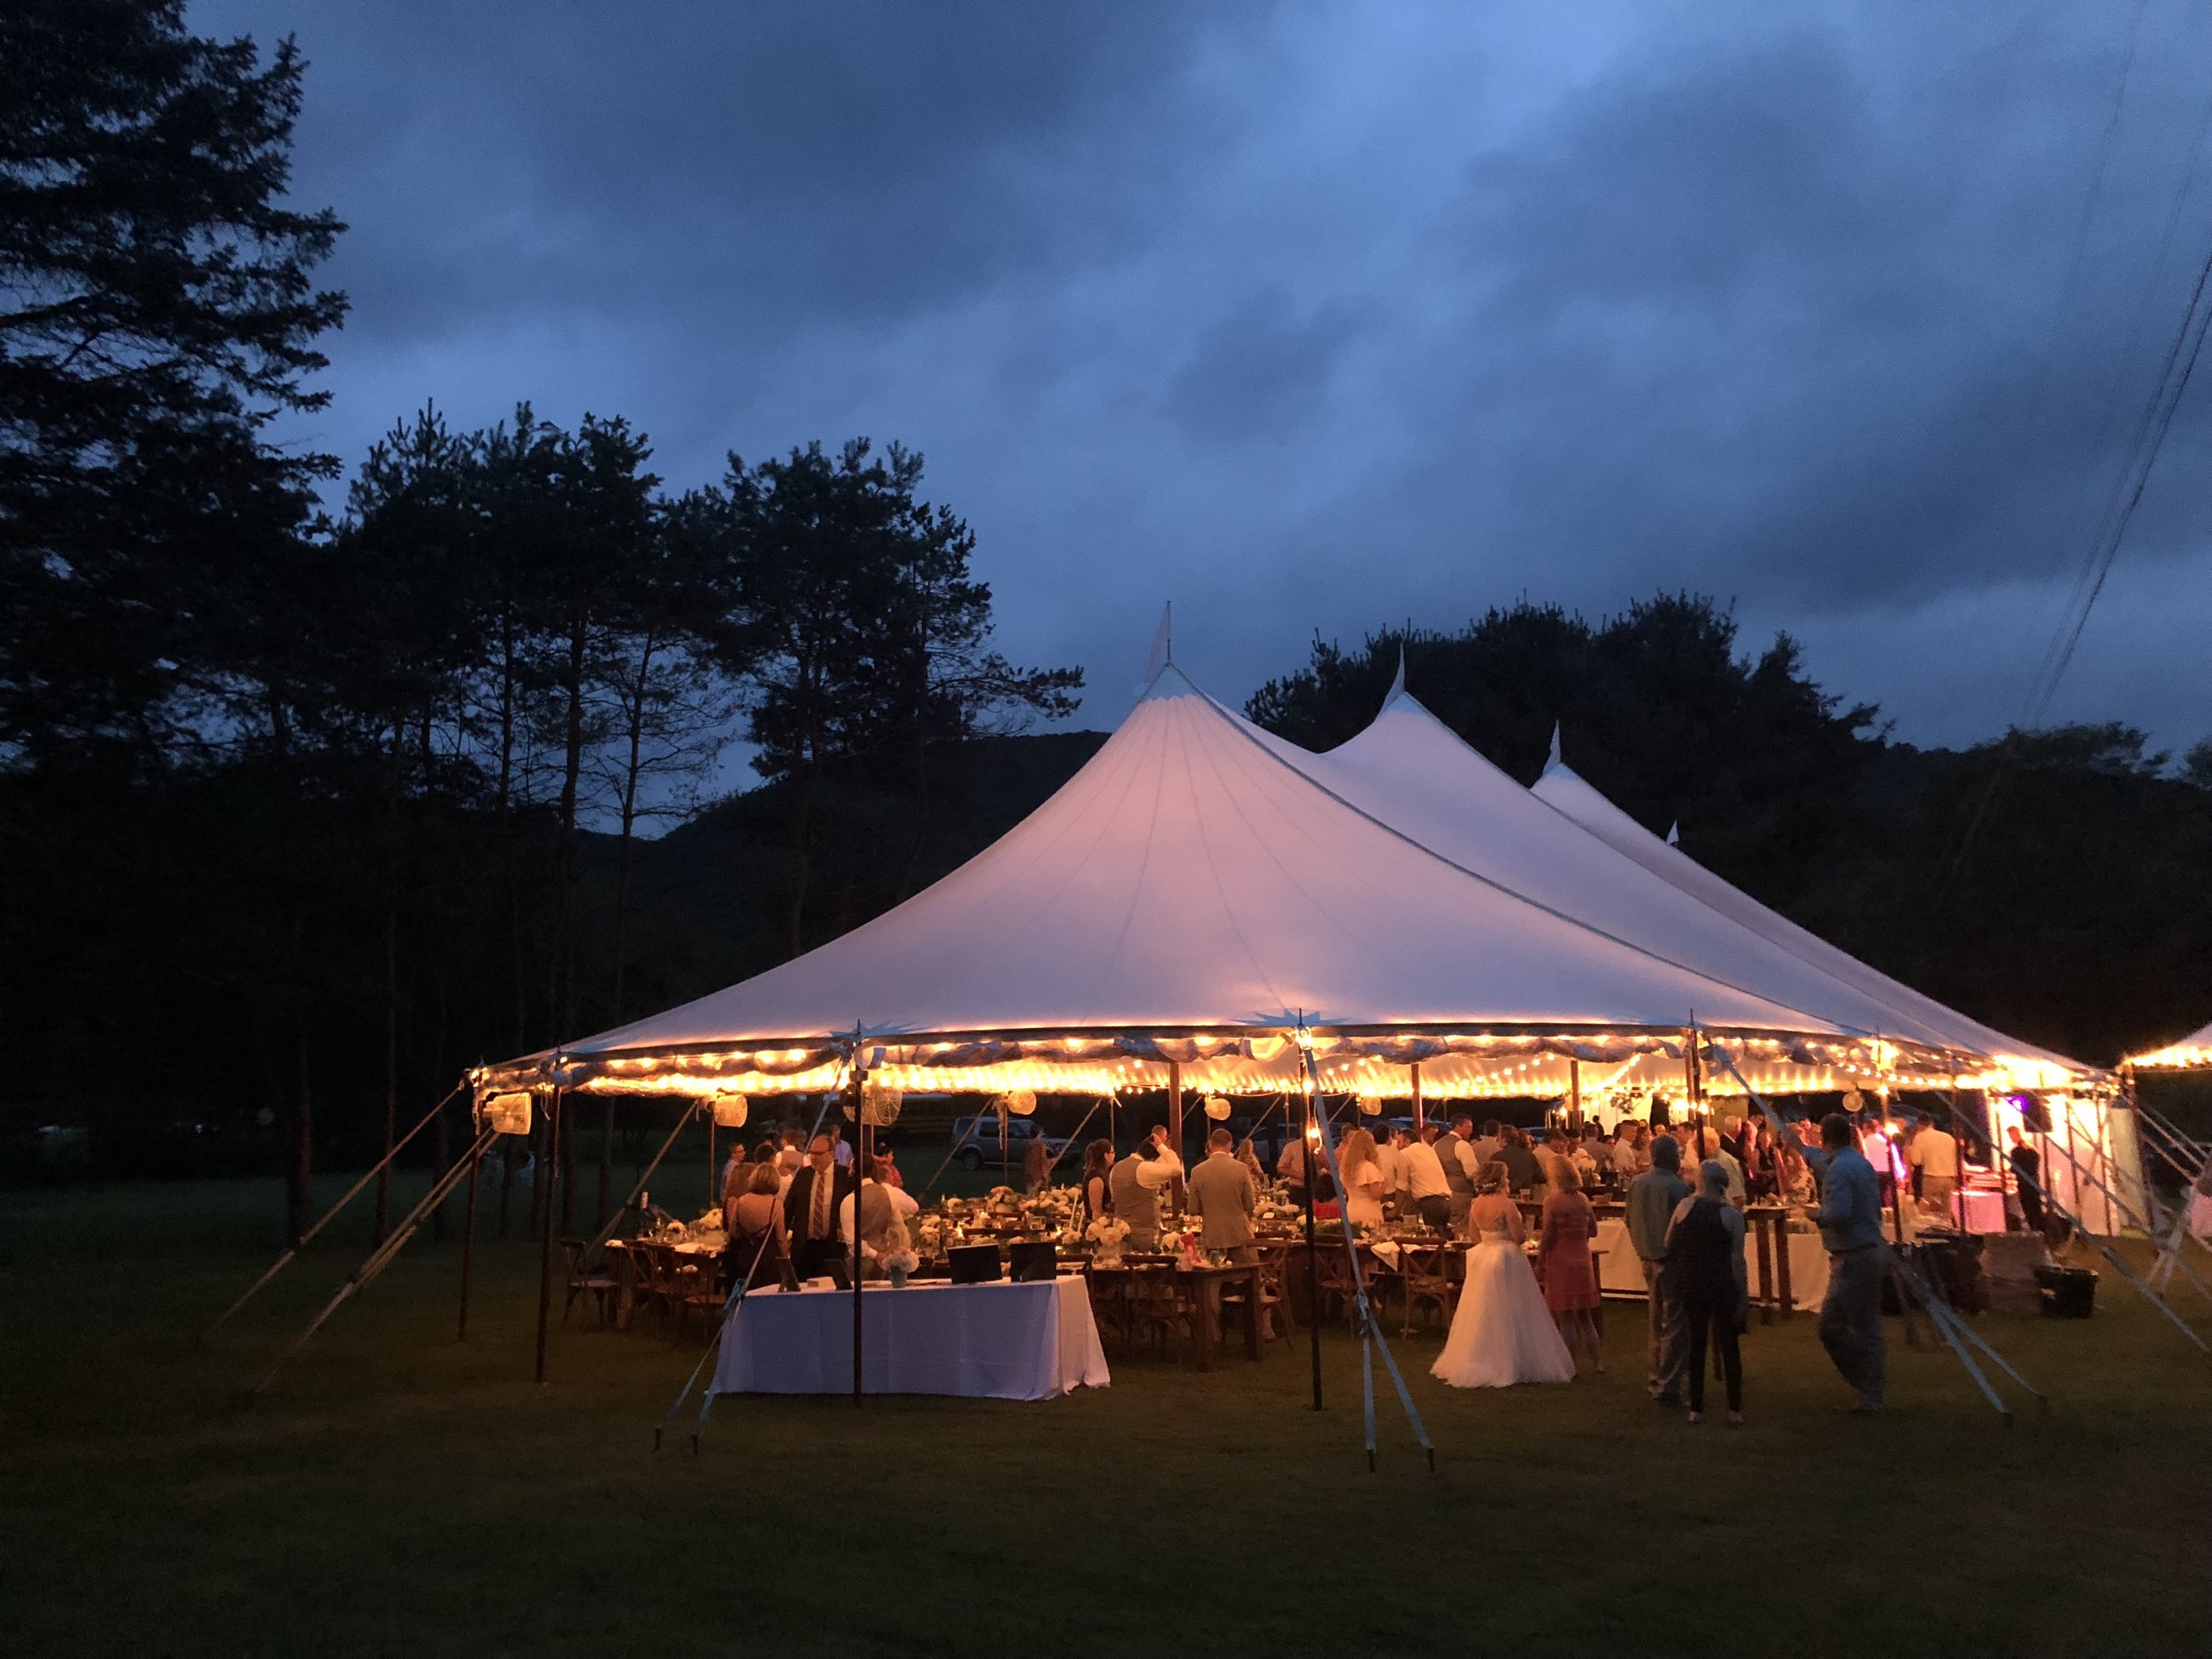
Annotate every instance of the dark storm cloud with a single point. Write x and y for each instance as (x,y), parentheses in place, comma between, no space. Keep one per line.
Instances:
(1329,315)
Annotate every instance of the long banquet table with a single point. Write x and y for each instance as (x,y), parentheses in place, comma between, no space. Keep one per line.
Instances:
(1002,1341)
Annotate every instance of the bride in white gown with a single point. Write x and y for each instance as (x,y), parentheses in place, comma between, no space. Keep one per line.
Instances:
(1502,1334)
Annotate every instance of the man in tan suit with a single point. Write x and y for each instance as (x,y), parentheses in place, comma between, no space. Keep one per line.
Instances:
(1221,1196)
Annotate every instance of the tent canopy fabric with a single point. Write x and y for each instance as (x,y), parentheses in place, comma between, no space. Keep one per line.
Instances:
(1188,880)
(1413,772)
(2028,1065)
(2191,1052)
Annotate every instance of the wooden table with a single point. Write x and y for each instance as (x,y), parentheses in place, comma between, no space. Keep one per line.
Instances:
(1206,1284)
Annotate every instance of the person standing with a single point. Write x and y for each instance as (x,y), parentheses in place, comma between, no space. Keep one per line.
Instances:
(1502,1334)
(1393,1166)
(1563,1261)
(1522,1170)
(1036,1164)
(1652,1198)
(1098,1163)
(1249,1156)
(1426,1183)
(2027,1180)
(1705,1255)
(1136,1201)
(1222,1197)
(1484,1146)
(809,1208)
(841,1148)
(1290,1169)
(1850,1220)
(1935,1153)
(1456,1151)
(1364,1181)
(880,1205)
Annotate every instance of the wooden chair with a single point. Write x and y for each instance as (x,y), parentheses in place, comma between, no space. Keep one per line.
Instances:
(1335,1278)
(656,1280)
(698,1290)
(584,1280)
(1429,1282)
(1160,1307)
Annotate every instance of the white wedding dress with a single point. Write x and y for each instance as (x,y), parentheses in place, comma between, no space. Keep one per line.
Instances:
(1502,1334)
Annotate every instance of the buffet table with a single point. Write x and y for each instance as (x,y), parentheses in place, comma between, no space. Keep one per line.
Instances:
(1003,1340)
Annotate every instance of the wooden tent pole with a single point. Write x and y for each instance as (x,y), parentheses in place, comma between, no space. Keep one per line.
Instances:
(1574,1094)
(1175,1105)
(1413,1072)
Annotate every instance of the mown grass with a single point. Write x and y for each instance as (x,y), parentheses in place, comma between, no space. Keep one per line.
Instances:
(397,1492)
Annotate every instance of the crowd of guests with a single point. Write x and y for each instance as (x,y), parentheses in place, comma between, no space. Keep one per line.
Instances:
(784,1203)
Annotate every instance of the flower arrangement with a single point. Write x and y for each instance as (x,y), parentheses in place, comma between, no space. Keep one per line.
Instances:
(1106,1232)
(899,1259)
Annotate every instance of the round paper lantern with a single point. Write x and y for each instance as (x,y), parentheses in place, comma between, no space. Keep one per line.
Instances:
(1216,1109)
(731,1110)
(1371,1105)
(1020,1103)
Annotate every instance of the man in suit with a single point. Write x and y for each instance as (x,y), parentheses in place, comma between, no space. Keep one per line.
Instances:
(1221,1197)
(810,1209)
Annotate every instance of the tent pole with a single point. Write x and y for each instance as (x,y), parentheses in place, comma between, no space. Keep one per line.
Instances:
(1175,1105)
(1413,1072)
(713,1191)
(552,1166)
(1574,1095)
(468,1245)
(331,1214)
(857,1075)
(1313,1250)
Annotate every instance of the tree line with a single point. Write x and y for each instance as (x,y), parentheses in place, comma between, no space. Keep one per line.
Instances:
(295,796)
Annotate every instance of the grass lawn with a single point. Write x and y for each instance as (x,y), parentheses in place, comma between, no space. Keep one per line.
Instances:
(400,1493)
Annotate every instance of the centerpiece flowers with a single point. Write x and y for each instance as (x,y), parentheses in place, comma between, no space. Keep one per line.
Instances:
(1106,1232)
(899,1259)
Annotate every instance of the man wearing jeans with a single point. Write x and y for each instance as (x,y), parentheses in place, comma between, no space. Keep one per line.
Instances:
(1651,1197)
(1850,1218)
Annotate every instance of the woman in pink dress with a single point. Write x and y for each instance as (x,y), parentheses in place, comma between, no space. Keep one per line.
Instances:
(1563,1261)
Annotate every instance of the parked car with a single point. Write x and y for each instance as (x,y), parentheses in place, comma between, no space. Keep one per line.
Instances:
(977,1139)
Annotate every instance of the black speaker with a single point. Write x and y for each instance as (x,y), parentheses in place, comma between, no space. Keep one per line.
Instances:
(1033,1263)
(974,1263)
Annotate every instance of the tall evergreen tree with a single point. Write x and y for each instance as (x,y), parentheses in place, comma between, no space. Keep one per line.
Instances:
(157,313)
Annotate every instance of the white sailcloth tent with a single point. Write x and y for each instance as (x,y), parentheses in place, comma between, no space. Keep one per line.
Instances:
(2092,1155)
(1414,772)
(1187,902)
(2189,1053)
(2023,1064)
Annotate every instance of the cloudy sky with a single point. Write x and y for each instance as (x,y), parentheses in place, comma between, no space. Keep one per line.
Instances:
(1329,315)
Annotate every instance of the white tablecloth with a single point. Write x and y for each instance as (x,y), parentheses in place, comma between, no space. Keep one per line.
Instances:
(1002,1341)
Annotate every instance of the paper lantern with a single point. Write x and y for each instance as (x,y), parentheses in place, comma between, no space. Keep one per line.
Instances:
(1371,1105)
(731,1110)
(1020,1103)
(507,1114)
(1216,1109)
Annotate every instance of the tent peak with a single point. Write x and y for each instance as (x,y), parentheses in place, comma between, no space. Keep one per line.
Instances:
(1398,681)
(1552,759)
(1674,833)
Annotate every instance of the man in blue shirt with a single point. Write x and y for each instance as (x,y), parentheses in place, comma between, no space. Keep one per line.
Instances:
(1850,1218)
